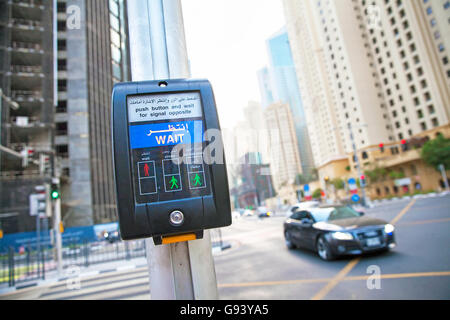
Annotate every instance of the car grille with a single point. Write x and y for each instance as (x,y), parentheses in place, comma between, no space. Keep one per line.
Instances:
(363,237)
(369,234)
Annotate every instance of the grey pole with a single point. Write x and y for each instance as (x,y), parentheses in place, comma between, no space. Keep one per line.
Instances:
(1,119)
(444,177)
(358,166)
(58,238)
(38,243)
(183,270)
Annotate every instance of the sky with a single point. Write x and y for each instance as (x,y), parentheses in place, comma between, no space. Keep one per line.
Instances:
(226,42)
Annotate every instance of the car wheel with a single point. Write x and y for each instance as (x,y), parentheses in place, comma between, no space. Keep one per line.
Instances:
(288,240)
(323,249)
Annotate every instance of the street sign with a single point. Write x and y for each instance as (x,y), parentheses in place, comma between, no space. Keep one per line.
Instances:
(307,192)
(355,198)
(168,181)
(402,182)
(352,187)
(38,205)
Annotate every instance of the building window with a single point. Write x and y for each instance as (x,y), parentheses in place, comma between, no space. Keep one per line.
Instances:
(423,126)
(435,122)
(431,109)
(420,114)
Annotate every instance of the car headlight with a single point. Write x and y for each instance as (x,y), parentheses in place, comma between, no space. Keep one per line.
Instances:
(389,228)
(342,236)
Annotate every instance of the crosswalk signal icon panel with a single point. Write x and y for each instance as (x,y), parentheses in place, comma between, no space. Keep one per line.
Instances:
(154,179)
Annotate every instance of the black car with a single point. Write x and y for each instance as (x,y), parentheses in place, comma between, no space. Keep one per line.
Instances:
(335,230)
(112,236)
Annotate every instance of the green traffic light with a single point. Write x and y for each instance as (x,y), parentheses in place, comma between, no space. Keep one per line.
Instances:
(55,195)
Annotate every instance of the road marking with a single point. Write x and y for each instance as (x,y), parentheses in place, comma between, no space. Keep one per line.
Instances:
(402,275)
(320,280)
(402,213)
(271,283)
(331,284)
(341,275)
(424,221)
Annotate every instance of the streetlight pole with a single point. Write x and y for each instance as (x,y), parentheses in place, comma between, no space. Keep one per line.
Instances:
(358,166)
(444,177)
(183,270)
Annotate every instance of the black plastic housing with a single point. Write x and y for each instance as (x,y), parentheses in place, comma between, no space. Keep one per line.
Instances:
(152,219)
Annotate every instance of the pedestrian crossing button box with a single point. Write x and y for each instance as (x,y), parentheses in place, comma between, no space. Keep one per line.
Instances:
(167,177)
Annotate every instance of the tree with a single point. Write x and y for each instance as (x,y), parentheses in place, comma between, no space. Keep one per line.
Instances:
(338,183)
(305,178)
(376,174)
(436,152)
(396,175)
(317,193)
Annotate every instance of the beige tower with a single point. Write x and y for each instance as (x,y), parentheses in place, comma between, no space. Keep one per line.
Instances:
(381,66)
(284,156)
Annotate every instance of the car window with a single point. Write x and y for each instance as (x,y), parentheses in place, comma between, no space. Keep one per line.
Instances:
(343,213)
(321,214)
(299,215)
(295,216)
(294,208)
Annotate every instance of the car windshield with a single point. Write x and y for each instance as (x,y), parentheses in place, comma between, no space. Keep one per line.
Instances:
(334,213)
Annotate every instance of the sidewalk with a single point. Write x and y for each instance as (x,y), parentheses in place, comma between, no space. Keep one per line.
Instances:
(92,270)
(77,271)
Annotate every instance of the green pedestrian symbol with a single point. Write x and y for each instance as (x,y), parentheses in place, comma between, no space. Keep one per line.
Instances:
(174,183)
(197,180)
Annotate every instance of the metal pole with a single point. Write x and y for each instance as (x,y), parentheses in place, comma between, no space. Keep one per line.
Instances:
(182,270)
(358,167)
(444,177)
(1,119)
(38,243)
(58,239)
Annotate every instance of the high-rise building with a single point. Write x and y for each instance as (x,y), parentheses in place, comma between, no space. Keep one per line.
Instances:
(278,83)
(26,78)
(380,66)
(265,87)
(255,183)
(96,57)
(285,162)
(79,48)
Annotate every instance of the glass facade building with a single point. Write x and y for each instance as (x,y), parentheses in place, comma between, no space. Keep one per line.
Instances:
(278,83)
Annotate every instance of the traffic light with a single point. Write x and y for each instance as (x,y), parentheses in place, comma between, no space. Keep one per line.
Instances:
(54,191)
(38,202)
(404,145)
(44,164)
(26,153)
(327,179)
(381,145)
(362,180)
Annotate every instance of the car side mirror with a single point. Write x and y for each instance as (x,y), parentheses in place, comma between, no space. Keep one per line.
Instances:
(307,221)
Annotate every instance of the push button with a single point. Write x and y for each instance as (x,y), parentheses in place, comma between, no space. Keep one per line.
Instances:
(176,218)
